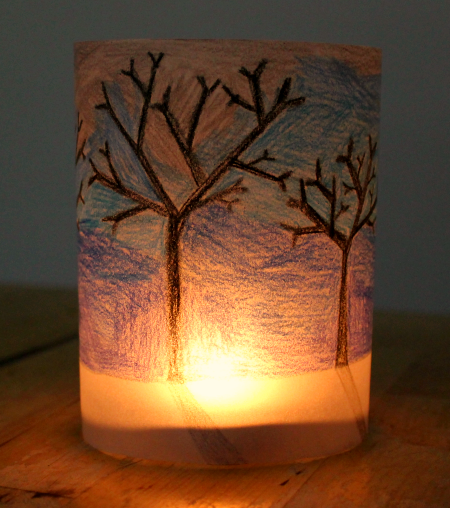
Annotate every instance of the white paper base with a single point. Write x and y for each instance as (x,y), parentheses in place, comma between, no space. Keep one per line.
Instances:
(262,421)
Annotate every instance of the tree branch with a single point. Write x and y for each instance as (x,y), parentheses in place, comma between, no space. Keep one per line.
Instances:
(360,159)
(303,205)
(134,77)
(250,168)
(110,183)
(332,229)
(370,173)
(298,231)
(343,209)
(206,92)
(331,197)
(264,157)
(348,188)
(327,227)
(234,155)
(372,148)
(198,173)
(148,96)
(373,176)
(255,87)
(154,180)
(80,152)
(100,177)
(145,90)
(107,154)
(366,219)
(319,184)
(354,174)
(108,107)
(80,197)
(362,194)
(220,196)
(118,217)
(237,99)
(280,103)
(284,92)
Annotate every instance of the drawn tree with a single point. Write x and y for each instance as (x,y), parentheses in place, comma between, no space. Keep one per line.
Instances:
(204,184)
(343,221)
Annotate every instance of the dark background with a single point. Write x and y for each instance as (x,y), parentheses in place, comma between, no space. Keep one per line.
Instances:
(37,182)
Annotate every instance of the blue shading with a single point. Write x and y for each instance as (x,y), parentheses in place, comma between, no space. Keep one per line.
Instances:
(121,293)
(262,262)
(109,260)
(101,201)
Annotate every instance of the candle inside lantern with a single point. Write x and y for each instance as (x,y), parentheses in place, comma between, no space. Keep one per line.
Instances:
(226,212)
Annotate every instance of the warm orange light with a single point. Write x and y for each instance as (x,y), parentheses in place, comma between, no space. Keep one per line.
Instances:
(222,391)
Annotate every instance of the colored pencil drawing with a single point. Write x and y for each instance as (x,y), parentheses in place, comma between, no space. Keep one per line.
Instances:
(177,217)
(183,182)
(342,222)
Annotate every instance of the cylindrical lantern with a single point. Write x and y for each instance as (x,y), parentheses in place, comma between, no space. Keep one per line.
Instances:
(226,211)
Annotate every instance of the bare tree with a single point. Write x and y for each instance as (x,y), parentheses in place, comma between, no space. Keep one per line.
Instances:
(362,183)
(203,183)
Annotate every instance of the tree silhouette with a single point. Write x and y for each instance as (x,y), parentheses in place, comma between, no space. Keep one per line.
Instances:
(203,191)
(357,214)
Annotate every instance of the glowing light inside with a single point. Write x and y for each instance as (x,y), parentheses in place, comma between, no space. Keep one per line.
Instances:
(219,385)
(219,367)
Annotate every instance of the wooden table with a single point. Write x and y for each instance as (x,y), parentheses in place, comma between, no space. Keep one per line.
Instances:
(404,462)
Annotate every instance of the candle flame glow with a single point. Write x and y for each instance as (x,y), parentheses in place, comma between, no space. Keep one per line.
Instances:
(218,384)
(224,392)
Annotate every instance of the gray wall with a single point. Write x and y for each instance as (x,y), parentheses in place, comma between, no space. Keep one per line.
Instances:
(37,121)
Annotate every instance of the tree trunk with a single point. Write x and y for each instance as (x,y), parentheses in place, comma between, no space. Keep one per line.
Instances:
(209,440)
(174,298)
(342,340)
(342,367)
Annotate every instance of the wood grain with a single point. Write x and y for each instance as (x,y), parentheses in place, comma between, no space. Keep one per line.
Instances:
(404,462)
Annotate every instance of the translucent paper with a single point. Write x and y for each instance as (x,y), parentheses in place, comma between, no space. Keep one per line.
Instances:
(226,216)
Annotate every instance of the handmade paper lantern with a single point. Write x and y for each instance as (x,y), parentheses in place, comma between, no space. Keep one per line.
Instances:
(226,210)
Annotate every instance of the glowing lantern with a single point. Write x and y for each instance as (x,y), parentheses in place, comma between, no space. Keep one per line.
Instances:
(226,212)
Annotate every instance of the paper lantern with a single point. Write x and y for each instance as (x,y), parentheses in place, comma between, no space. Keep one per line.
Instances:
(226,213)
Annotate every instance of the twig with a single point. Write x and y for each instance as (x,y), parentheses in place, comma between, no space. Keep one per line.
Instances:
(300,231)
(80,151)
(118,217)
(80,197)
(198,173)
(251,168)
(206,92)
(110,183)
